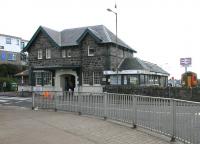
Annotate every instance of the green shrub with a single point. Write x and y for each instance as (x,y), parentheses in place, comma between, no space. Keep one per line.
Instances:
(8,82)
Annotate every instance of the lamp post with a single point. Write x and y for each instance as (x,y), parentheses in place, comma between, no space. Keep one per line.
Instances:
(115,40)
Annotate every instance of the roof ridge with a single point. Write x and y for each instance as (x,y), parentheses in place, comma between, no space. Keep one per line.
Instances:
(106,33)
(95,32)
(49,28)
(81,27)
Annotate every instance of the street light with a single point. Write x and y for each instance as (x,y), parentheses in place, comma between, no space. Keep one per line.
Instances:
(115,40)
(116,23)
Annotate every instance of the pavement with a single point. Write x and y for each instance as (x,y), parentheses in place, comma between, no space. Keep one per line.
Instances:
(19,125)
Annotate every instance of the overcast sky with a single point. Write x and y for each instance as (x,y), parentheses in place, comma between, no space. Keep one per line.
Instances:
(161,31)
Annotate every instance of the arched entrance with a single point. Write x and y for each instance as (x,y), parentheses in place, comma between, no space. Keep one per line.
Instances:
(68,82)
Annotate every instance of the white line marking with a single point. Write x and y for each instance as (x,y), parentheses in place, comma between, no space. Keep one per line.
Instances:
(14,98)
(3,100)
(7,103)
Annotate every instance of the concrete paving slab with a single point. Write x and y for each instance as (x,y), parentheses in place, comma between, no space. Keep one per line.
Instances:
(24,126)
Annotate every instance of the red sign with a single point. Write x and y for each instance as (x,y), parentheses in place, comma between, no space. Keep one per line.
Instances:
(185,61)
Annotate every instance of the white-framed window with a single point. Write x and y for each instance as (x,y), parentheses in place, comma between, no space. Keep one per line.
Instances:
(96,78)
(38,78)
(17,42)
(47,78)
(63,53)
(44,77)
(125,80)
(69,53)
(86,78)
(1,47)
(22,45)
(134,79)
(48,53)
(114,81)
(90,51)
(39,54)
(8,40)
(12,57)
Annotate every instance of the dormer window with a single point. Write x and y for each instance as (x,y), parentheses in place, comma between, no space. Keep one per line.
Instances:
(90,51)
(63,53)
(69,54)
(48,53)
(39,54)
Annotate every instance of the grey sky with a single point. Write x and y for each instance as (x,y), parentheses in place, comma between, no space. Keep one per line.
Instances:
(161,31)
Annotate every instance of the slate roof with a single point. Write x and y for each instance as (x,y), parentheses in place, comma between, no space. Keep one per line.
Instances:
(70,37)
(134,63)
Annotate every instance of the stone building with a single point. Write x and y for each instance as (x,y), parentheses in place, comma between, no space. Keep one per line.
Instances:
(81,59)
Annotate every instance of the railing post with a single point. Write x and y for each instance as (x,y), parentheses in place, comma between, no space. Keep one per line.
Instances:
(105,105)
(55,101)
(79,103)
(33,100)
(173,113)
(134,112)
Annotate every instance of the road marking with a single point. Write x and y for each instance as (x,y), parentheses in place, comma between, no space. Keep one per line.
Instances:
(3,100)
(7,103)
(18,102)
(14,98)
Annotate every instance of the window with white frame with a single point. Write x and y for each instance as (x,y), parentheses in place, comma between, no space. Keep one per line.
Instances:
(39,54)
(63,53)
(12,56)
(17,42)
(86,79)
(48,53)
(22,45)
(97,77)
(43,77)
(38,78)
(47,78)
(125,80)
(114,80)
(8,40)
(134,79)
(69,53)
(90,51)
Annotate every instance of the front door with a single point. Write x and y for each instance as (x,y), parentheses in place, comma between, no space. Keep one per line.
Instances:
(69,82)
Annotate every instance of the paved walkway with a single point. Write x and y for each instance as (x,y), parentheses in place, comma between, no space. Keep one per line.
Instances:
(24,126)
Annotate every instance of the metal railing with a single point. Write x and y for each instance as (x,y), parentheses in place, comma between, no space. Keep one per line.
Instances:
(177,119)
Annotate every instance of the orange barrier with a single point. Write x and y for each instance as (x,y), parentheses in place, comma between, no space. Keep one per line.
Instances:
(46,94)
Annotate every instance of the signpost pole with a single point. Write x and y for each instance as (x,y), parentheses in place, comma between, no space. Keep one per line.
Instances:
(185,68)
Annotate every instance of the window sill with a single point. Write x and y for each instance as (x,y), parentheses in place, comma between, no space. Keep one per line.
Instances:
(86,85)
(90,55)
(96,84)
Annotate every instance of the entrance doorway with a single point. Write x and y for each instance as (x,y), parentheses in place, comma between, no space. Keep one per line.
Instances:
(69,82)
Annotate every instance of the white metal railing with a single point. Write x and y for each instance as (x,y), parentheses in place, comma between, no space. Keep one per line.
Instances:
(177,119)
